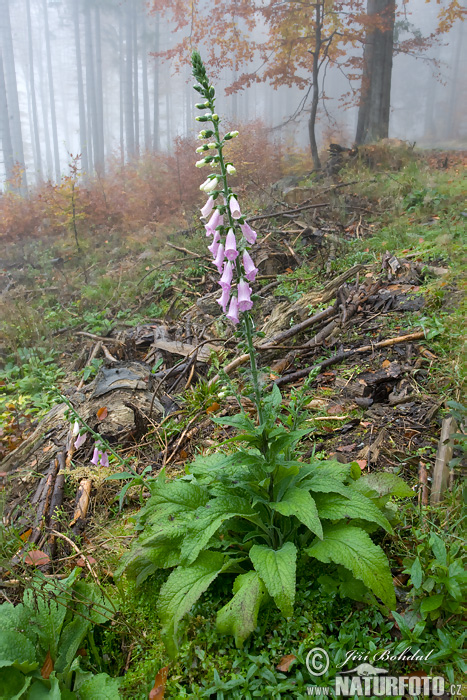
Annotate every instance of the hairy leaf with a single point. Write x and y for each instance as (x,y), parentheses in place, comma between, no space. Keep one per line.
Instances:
(100,687)
(333,506)
(353,548)
(17,650)
(385,484)
(239,617)
(13,683)
(181,591)
(299,503)
(277,569)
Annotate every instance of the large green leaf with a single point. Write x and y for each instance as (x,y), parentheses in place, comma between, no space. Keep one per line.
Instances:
(385,484)
(277,569)
(298,502)
(353,548)
(142,561)
(208,519)
(239,617)
(16,649)
(175,496)
(48,690)
(100,687)
(181,591)
(333,506)
(13,683)
(70,641)
(47,613)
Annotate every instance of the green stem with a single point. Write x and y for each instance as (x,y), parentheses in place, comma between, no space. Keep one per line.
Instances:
(248,325)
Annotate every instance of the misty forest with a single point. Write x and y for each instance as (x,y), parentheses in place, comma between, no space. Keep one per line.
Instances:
(232,424)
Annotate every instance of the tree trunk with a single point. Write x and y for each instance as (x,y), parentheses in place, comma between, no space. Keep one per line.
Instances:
(11,88)
(121,63)
(93,128)
(129,123)
(45,115)
(99,91)
(375,96)
(81,103)
(315,93)
(7,147)
(53,115)
(35,120)
(136,76)
(146,112)
(156,115)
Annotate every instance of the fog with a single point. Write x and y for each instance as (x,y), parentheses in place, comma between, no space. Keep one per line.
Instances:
(119,100)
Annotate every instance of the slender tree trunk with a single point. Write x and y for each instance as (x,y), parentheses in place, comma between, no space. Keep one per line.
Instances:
(168,116)
(121,63)
(9,72)
(53,115)
(7,147)
(44,110)
(156,115)
(35,120)
(99,90)
(93,128)
(81,103)
(146,112)
(129,123)
(136,76)
(375,97)
(315,92)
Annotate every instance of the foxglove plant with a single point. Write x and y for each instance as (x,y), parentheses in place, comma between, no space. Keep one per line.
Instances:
(258,509)
(231,243)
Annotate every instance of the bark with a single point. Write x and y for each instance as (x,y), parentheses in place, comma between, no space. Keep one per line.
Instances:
(168,112)
(129,123)
(92,127)
(11,89)
(53,115)
(99,91)
(315,94)
(146,112)
(156,115)
(81,102)
(45,117)
(32,87)
(375,97)
(136,77)
(7,147)
(121,63)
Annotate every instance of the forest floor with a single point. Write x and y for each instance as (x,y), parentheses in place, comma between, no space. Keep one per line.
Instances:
(360,297)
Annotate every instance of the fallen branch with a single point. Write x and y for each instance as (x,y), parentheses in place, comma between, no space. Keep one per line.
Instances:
(299,374)
(287,211)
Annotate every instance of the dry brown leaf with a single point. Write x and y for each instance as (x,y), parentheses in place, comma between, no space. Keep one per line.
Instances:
(25,536)
(102,413)
(213,407)
(36,558)
(335,410)
(183,454)
(362,463)
(47,667)
(158,690)
(286,662)
(385,364)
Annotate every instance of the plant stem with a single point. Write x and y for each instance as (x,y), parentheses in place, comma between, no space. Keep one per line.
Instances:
(248,325)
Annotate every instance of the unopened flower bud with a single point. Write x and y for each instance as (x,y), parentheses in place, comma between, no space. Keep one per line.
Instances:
(231,169)
(200,149)
(201,163)
(214,117)
(211,145)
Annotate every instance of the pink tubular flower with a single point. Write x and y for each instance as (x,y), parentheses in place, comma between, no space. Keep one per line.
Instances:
(214,247)
(224,298)
(231,245)
(249,234)
(234,208)
(214,221)
(227,275)
(250,269)
(104,459)
(80,440)
(244,299)
(95,456)
(207,209)
(232,313)
(219,260)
